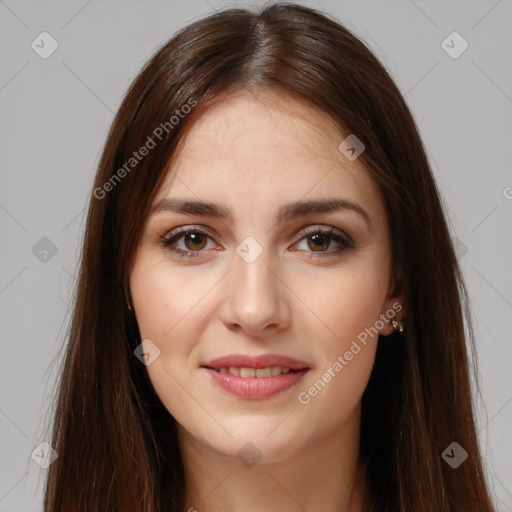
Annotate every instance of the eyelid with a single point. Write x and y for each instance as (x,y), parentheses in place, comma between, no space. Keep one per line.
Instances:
(188,228)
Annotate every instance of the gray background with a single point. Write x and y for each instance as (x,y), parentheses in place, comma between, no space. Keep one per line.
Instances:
(54,117)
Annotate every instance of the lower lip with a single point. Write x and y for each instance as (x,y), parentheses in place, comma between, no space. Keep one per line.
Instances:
(256,387)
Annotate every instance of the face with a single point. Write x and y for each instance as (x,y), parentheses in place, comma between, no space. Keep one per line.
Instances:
(304,289)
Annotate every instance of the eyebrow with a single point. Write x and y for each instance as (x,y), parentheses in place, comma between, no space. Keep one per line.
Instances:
(287,211)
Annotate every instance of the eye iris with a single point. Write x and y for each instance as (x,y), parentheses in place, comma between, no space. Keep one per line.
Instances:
(195,239)
(319,238)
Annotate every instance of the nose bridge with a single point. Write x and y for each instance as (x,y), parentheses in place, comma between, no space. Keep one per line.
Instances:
(256,296)
(252,263)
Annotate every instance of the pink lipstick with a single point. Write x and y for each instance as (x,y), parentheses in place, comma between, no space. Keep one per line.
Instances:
(256,377)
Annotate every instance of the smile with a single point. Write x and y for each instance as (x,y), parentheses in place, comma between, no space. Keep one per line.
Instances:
(269,371)
(255,377)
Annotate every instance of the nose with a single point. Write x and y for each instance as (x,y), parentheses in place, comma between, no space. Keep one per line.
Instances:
(256,299)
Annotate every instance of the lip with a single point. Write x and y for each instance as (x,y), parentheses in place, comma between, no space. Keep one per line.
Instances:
(256,387)
(261,361)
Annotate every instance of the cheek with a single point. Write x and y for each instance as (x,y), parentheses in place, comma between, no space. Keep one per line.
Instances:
(166,304)
(163,297)
(171,310)
(348,304)
(345,302)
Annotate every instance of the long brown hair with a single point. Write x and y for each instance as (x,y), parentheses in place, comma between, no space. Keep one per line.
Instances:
(116,442)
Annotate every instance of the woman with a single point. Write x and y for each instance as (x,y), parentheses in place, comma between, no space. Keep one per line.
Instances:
(269,312)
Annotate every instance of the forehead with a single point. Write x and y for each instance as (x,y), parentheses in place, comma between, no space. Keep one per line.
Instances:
(272,148)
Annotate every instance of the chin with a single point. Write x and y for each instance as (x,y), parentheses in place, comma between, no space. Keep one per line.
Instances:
(252,443)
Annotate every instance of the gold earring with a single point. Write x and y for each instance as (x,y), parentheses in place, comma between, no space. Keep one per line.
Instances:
(398,326)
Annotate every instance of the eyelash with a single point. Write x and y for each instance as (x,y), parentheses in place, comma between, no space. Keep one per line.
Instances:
(178,233)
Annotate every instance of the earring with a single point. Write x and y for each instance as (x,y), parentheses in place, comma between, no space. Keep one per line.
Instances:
(398,326)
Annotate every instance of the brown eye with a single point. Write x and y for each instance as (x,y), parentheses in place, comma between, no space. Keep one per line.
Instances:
(319,241)
(193,241)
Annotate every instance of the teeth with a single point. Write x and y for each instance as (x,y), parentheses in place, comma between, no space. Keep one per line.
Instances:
(276,370)
(247,372)
(270,371)
(264,372)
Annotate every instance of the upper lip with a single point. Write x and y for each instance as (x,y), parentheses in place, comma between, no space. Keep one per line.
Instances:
(261,361)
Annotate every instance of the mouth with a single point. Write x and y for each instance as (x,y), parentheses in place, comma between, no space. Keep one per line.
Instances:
(258,377)
(266,363)
(245,372)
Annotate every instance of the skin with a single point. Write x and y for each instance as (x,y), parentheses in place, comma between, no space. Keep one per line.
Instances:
(252,153)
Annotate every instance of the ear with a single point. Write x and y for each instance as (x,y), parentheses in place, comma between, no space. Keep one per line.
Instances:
(395,307)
